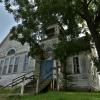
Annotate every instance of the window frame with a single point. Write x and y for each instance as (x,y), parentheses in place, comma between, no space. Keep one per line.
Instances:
(1,66)
(5,65)
(16,65)
(10,51)
(77,66)
(11,65)
(25,63)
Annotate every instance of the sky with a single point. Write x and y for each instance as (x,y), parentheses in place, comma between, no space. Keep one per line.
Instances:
(6,22)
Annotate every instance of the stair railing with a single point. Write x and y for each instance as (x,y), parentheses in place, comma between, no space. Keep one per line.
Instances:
(41,81)
(24,77)
(18,80)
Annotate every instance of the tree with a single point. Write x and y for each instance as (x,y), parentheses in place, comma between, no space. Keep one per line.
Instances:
(36,15)
(73,12)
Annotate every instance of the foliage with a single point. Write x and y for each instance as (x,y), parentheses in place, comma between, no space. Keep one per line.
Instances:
(96,63)
(36,16)
(64,49)
(72,13)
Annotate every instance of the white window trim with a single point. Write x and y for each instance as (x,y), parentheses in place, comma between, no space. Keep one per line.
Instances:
(2,65)
(12,64)
(7,66)
(9,57)
(25,63)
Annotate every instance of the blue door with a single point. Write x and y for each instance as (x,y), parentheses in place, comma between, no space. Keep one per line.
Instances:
(46,69)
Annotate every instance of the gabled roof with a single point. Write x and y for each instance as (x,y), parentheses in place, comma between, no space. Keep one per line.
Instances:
(4,39)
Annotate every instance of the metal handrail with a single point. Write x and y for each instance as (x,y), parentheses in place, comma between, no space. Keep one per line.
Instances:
(22,75)
(26,77)
(19,79)
(14,83)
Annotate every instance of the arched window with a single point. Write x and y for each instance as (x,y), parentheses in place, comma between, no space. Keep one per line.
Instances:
(11,52)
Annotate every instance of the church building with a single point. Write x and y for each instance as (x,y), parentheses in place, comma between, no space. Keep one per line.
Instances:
(80,69)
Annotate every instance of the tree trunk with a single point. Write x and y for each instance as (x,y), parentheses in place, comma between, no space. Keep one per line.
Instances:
(95,36)
(97,43)
(92,26)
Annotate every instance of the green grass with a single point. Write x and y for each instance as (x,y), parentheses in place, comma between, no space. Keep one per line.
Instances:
(10,90)
(59,96)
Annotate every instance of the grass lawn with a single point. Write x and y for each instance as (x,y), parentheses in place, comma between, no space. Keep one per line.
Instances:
(59,96)
(8,91)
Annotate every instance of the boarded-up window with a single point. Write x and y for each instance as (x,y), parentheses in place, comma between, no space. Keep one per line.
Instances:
(25,65)
(5,66)
(11,65)
(16,64)
(76,65)
(1,65)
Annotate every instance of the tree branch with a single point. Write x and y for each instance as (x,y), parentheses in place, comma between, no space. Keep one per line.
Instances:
(80,14)
(97,18)
(89,2)
(85,1)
